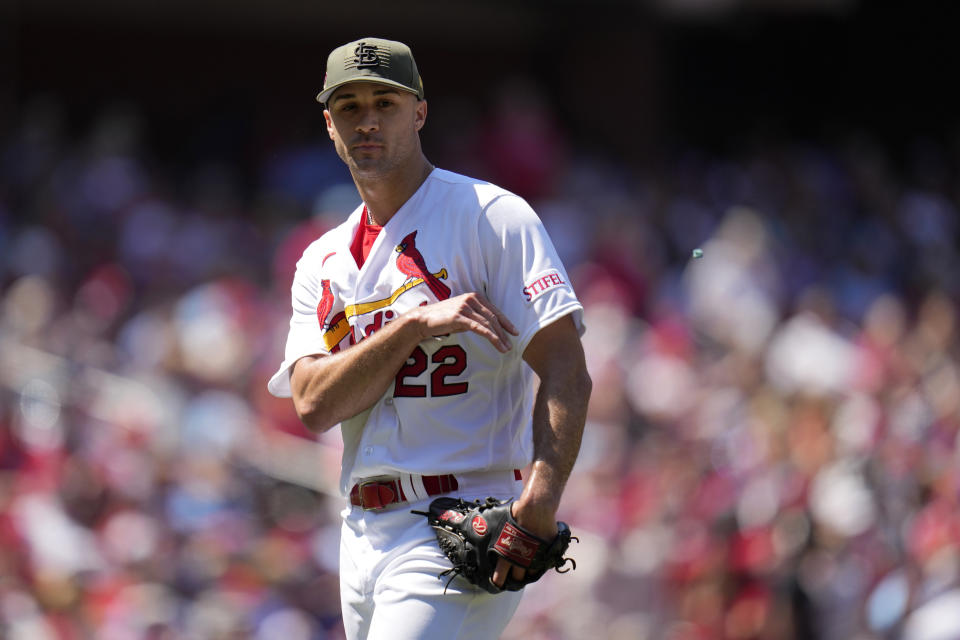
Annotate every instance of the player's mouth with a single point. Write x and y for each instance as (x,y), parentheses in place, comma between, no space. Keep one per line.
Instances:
(367,145)
(367,151)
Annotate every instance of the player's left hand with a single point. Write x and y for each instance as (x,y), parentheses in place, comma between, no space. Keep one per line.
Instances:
(540,521)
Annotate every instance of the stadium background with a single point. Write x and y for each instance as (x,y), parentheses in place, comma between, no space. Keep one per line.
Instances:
(772,441)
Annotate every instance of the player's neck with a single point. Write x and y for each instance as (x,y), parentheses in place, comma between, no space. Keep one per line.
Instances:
(383,196)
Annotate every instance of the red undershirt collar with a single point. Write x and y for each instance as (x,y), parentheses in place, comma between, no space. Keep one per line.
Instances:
(364,238)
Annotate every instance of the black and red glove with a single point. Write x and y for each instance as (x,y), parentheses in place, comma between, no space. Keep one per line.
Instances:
(474,535)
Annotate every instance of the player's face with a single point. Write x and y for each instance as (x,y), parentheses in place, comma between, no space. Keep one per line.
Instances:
(375,128)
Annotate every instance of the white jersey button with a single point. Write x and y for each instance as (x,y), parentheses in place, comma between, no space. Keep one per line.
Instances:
(368,451)
(389,401)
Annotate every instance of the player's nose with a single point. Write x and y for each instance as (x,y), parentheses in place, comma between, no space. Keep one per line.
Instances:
(368,122)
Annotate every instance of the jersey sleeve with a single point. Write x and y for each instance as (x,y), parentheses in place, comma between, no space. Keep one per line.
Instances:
(525,278)
(305,336)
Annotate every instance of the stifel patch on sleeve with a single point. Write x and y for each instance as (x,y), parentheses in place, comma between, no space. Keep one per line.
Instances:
(543,283)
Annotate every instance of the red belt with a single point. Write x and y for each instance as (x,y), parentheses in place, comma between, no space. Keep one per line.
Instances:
(377,493)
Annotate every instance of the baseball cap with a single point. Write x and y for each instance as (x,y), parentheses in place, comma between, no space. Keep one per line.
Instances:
(371,60)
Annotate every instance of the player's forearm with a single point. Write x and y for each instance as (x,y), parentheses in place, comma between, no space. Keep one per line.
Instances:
(558,419)
(330,389)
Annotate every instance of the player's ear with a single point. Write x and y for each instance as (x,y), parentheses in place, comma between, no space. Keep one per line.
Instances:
(326,116)
(421,114)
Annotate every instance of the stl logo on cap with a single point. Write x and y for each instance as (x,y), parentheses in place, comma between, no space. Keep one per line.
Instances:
(365,56)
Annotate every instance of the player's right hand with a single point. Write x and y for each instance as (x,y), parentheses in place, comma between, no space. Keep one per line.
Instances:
(467,312)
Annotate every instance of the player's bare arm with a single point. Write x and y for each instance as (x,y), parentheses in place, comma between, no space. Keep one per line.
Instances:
(556,356)
(329,389)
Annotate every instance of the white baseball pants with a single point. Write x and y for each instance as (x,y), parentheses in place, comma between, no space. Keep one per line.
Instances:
(389,563)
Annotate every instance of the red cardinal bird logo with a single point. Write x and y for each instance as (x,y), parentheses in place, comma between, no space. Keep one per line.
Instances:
(325,304)
(410,262)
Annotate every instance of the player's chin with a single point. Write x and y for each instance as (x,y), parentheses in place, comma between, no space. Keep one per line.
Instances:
(368,168)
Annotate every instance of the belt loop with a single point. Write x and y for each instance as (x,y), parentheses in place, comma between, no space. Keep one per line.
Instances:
(406,482)
(419,489)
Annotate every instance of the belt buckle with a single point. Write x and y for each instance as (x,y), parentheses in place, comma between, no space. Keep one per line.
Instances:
(380,482)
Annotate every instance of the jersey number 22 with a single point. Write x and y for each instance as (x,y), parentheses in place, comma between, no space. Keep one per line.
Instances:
(451,361)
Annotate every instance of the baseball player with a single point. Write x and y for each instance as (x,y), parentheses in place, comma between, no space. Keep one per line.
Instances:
(418,325)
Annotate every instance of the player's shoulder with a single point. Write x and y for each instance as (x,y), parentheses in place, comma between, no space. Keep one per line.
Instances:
(474,188)
(333,239)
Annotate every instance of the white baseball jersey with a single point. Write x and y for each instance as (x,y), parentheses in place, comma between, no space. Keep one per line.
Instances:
(458,404)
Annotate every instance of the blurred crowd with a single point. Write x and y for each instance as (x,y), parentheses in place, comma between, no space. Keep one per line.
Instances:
(771,449)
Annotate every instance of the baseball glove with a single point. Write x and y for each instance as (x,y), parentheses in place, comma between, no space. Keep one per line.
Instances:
(474,535)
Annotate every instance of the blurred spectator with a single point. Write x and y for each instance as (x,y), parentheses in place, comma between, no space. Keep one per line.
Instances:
(771,449)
